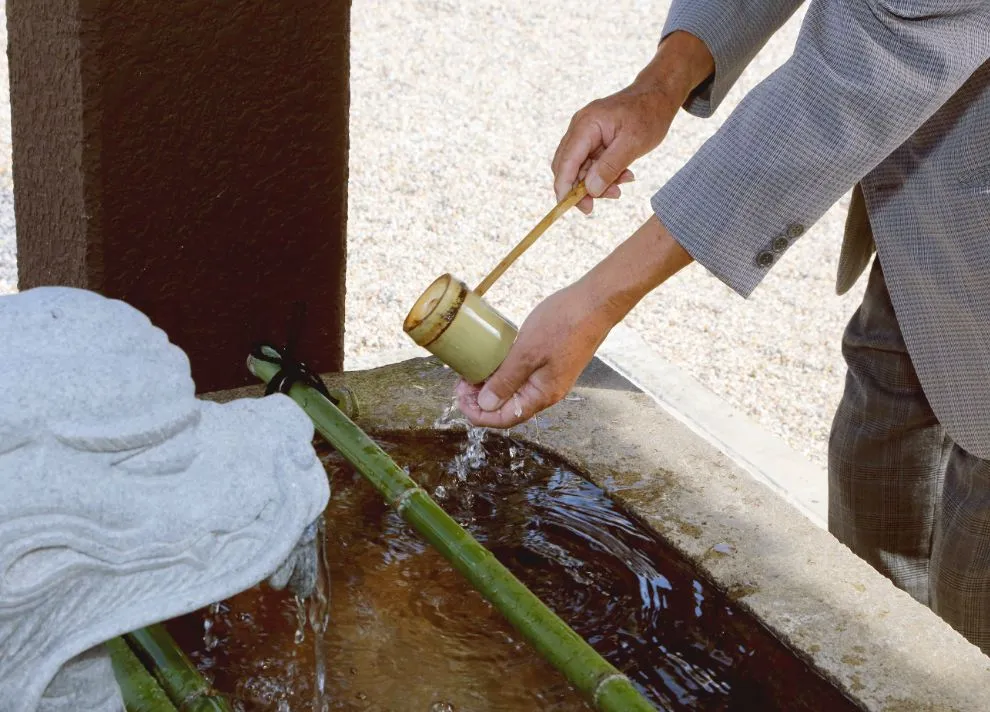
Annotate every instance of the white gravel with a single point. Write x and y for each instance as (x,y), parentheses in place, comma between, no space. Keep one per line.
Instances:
(456,110)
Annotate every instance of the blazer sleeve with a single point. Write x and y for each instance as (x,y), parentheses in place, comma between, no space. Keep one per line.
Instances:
(864,76)
(734,33)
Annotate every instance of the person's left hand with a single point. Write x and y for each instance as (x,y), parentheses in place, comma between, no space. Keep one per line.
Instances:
(555,343)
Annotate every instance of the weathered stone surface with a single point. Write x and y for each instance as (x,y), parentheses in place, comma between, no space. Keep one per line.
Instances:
(86,682)
(125,499)
(880,647)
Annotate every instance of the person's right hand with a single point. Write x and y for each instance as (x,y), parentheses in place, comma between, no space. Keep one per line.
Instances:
(607,135)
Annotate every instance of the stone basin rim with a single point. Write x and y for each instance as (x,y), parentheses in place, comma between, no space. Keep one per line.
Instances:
(881,648)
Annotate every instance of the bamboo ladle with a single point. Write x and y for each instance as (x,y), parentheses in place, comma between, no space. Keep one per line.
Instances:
(460,328)
(569,201)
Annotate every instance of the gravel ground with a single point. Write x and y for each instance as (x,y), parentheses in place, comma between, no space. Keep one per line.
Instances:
(457,109)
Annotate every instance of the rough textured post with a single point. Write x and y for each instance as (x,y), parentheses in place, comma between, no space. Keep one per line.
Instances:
(190,158)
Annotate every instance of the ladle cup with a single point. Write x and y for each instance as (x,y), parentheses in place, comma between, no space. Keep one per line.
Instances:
(459,327)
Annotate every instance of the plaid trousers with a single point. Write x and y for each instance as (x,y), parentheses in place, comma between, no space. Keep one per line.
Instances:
(902,495)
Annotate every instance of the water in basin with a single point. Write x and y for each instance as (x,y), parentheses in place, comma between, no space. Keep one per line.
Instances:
(408,634)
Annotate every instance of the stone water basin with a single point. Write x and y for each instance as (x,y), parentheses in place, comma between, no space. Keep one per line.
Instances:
(702,585)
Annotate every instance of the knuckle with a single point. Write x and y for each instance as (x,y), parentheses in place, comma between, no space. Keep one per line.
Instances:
(589,113)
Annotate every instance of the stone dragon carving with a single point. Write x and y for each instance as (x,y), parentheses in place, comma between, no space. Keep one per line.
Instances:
(124,499)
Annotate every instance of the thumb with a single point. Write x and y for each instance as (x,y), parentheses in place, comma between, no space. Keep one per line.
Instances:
(609,166)
(505,382)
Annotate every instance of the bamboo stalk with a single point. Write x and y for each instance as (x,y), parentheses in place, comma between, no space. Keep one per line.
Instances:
(569,201)
(600,682)
(178,677)
(140,691)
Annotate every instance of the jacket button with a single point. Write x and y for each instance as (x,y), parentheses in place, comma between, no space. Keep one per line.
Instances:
(795,230)
(764,259)
(780,243)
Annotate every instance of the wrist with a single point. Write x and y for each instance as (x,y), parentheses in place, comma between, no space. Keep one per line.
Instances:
(634,269)
(681,63)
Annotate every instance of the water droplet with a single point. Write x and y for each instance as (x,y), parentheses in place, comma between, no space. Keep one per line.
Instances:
(516,405)
(210,638)
(300,621)
(724,548)
(442,707)
(447,416)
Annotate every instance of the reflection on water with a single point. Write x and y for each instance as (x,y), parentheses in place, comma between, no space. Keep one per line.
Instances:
(408,634)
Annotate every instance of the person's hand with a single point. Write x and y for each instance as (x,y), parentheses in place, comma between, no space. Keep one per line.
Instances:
(606,136)
(560,337)
(555,343)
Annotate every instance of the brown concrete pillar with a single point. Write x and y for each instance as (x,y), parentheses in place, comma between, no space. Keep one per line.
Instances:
(190,158)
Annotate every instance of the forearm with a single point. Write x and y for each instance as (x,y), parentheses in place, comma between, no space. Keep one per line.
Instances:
(634,269)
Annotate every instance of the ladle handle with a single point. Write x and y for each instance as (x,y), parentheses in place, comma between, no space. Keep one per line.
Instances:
(569,201)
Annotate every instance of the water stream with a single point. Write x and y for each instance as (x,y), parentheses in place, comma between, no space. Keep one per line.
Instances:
(313,612)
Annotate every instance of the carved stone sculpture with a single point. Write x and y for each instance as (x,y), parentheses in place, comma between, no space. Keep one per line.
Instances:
(125,500)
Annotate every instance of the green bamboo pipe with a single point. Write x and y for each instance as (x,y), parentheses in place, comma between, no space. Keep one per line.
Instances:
(139,689)
(599,681)
(178,677)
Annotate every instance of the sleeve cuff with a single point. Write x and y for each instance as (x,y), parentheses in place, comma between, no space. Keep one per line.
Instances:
(733,35)
(707,231)
(707,96)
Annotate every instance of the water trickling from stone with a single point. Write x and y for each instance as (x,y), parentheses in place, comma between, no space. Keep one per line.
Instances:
(313,612)
(210,638)
(300,620)
(318,615)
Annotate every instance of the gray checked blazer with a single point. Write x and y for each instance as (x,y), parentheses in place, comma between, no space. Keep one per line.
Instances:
(890,96)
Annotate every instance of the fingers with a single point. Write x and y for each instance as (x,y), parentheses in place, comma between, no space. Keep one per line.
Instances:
(581,156)
(507,380)
(613,192)
(518,408)
(610,166)
(508,397)
(580,141)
